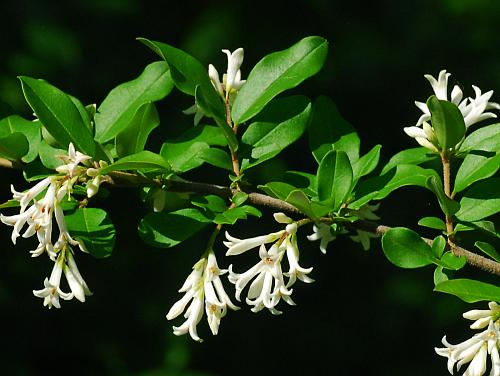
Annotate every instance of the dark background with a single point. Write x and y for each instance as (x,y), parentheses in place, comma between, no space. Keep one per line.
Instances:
(362,315)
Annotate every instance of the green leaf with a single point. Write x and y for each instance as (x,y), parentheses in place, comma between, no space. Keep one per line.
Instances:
(328,130)
(277,189)
(216,111)
(279,125)
(9,204)
(489,250)
(276,73)
(303,180)
(50,156)
(298,199)
(14,146)
(191,149)
(188,73)
(439,275)
(209,134)
(409,156)
(448,206)
(450,261)
(94,228)
(470,290)
(485,138)
(475,167)
(165,230)
(438,245)
(480,201)
(59,114)
(239,198)
(406,249)
(36,170)
(379,187)
(118,109)
(133,138)
(139,161)
(230,216)
(447,121)
(30,129)
(211,203)
(334,178)
(433,222)
(366,164)
(216,157)
(183,156)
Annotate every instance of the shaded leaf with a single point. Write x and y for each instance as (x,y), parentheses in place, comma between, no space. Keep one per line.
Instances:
(276,73)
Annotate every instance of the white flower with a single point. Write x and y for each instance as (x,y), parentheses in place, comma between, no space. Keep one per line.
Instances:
(75,280)
(202,287)
(475,351)
(52,290)
(268,287)
(322,232)
(296,271)
(72,160)
(237,246)
(216,299)
(93,186)
(483,317)
(231,81)
(194,293)
(472,109)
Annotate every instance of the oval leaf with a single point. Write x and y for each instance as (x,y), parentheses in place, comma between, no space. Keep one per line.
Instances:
(165,230)
(480,201)
(470,290)
(59,114)
(475,167)
(334,178)
(447,121)
(93,227)
(14,146)
(276,73)
(142,160)
(118,109)
(406,249)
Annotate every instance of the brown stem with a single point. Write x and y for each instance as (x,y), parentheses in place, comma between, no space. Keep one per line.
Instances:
(234,157)
(447,191)
(120,178)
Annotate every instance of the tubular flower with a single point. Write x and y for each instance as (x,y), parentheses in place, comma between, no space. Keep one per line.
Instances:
(202,287)
(474,350)
(39,220)
(483,317)
(231,81)
(322,232)
(268,286)
(472,109)
(52,290)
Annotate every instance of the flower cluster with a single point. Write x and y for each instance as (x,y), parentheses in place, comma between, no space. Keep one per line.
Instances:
(46,199)
(203,288)
(476,349)
(268,286)
(473,110)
